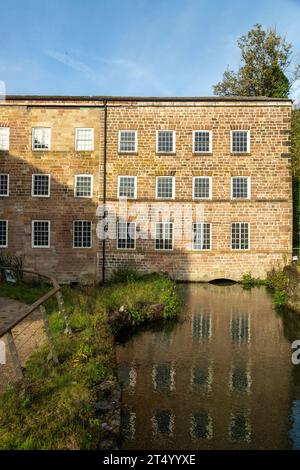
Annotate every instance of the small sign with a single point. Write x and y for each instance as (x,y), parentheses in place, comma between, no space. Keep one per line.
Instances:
(10,276)
(2,352)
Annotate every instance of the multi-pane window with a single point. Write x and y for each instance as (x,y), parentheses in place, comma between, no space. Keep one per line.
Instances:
(83,186)
(127,187)
(201,236)
(3,233)
(82,234)
(165,141)
(41,138)
(202,187)
(4,185)
(240,236)
(164,236)
(4,138)
(41,185)
(202,141)
(40,233)
(165,187)
(126,234)
(84,139)
(240,141)
(240,187)
(127,141)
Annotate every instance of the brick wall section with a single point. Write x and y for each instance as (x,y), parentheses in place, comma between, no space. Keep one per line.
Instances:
(269,211)
(63,163)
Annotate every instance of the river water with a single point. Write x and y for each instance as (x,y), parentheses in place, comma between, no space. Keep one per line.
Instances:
(219,378)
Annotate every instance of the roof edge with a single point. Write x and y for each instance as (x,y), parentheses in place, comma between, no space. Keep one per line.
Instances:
(144,98)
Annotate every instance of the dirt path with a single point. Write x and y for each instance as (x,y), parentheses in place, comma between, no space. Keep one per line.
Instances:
(28,335)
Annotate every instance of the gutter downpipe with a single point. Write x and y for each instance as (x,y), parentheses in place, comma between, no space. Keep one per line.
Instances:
(104,189)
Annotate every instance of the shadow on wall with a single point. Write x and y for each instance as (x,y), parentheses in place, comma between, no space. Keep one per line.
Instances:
(20,208)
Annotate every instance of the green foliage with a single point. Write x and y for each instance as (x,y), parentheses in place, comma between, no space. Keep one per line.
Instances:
(265,66)
(53,407)
(280,298)
(248,281)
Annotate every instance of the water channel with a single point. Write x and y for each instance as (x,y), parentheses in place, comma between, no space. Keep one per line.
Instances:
(219,378)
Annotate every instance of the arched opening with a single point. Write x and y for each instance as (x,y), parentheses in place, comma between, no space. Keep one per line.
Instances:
(222,282)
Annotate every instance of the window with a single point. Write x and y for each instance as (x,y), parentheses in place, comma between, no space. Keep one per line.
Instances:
(3,233)
(127,141)
(84,139)
(240,328)
(127,187)
(4,138)
(240,141)
(202,187)
(201,425)
(40,233)
(126,235)
(83,186)
(40,185)
(164,236)
(240,187)
(82,234)
(165,187)
(41,138)
(201,236)
(4,185)
(202,141)
(165,141)
(240,236)
(201,327)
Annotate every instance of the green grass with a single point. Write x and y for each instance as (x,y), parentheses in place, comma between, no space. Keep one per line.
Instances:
(23,292)
(53,407)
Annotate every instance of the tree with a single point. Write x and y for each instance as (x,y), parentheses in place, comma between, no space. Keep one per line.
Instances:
(265,66)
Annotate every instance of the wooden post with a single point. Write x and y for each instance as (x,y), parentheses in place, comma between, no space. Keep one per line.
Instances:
(14,355)
(49,334)
(62,309)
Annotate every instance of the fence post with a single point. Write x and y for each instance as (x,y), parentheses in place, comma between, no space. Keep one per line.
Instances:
(14,355)
(49,334)
(61,306)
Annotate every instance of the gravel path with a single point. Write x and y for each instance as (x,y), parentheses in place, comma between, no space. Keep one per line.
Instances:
(28,335)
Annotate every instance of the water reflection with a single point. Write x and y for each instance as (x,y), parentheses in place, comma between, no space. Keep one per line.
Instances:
(221,379)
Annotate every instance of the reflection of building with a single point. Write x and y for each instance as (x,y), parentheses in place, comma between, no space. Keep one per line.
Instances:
(207,183)
(230,392)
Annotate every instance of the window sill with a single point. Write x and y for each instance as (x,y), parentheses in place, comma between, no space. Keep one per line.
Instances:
(202,154)
(161,154)
(240,154)
(120,152)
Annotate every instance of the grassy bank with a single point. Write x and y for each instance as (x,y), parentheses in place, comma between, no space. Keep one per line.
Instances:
(284,283)
(53,408)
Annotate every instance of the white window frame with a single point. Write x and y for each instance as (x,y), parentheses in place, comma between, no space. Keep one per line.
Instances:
(248,141)
(92,186)
(93,138)
(164,230)
(126,222)
(32,139)
(32,234)
(210,237)
(6,235)
(135,143)
(210,141)
(248,188)
(8,139)
(32,185)
(174,142)
(173,188)
(82,247)
(210,188)
(135,187)
(249,236)
(5,195)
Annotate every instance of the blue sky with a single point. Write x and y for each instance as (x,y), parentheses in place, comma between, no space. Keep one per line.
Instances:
(131,47)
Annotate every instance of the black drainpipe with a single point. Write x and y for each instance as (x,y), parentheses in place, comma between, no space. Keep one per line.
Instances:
(104,186)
